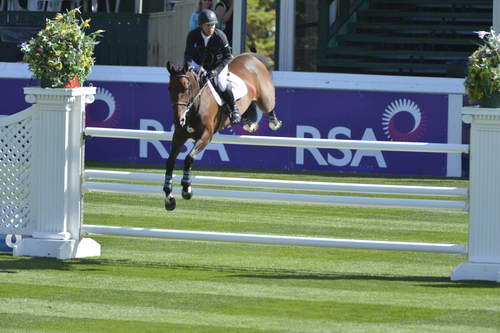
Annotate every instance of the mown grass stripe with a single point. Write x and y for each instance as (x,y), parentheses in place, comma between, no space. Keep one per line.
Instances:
(133,313)
(60,324)
(48,324)
(263,290)
(92,311)
(332,263)
(235,305)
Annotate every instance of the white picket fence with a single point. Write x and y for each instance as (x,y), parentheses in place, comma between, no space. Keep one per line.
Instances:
(57,187)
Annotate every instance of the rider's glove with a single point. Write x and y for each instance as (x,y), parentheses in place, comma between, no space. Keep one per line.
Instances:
(213,73)
(204,75)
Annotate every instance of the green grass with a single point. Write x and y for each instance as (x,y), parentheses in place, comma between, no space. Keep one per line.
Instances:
(157,285)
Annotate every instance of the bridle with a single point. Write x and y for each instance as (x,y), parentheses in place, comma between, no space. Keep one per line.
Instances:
(188,105)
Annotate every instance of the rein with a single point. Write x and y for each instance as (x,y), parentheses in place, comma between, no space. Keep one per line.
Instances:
(188,105)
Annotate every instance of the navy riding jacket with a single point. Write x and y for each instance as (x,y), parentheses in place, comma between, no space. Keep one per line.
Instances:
(215,56)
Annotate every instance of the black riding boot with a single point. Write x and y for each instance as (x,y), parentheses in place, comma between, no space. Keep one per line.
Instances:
(229,99)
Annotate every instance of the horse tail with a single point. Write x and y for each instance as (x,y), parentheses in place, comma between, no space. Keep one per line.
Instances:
(265,60)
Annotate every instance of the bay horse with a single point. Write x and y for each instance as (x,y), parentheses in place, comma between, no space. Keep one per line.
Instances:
(197,115)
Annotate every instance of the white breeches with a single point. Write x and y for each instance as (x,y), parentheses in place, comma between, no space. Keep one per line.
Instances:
(221,79)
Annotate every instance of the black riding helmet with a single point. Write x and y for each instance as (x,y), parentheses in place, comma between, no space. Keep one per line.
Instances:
(207,16)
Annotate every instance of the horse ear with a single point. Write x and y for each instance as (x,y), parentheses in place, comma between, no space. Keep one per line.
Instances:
(170,67)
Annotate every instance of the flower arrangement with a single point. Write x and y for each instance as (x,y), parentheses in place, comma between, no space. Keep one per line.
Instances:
(61,54)
(483,74)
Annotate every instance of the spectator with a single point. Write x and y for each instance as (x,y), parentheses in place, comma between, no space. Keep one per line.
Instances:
(202,5)
(224,10)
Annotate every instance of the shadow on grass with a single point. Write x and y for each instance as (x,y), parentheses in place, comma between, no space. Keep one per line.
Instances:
(340,276)
(12,265)
(464,284)
(430,281)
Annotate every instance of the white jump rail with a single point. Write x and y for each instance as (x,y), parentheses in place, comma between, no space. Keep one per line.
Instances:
(276,184)
(286,142)
(283,197)
(277,240)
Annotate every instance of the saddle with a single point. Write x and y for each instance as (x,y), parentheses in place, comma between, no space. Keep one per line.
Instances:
(238,87)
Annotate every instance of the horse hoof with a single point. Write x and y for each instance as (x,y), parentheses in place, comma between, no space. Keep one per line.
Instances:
(251,128)
(170,203)
(275,125)
(187,193)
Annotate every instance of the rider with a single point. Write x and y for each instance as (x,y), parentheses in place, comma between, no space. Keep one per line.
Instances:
(208,51)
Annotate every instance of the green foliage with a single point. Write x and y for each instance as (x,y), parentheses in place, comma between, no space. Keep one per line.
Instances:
(483,75)
(62,50)
(261,15)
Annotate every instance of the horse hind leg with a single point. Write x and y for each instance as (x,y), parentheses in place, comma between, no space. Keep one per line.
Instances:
(250,123)
(274,122)
(267,105)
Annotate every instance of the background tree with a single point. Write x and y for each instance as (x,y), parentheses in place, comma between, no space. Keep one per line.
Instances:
(261,15)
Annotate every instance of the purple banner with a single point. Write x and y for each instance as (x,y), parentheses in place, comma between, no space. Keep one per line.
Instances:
(311,113)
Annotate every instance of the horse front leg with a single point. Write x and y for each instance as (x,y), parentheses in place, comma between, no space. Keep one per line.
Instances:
(177,142)
(186,181)
(187,191)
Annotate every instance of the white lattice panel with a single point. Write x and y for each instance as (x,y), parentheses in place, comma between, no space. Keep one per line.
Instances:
(15,174)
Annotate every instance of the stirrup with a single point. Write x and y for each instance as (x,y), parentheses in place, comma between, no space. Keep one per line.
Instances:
(235,117)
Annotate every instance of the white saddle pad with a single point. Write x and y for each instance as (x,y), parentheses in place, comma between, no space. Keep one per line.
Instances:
(239,88)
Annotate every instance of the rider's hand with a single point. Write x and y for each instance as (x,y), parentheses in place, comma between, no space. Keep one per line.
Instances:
(204,74)
(213,73)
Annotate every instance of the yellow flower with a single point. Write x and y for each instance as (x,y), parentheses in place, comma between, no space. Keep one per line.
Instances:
(86,24)
(61,50)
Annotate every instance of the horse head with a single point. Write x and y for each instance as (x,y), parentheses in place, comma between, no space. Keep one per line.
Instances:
(183,88)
